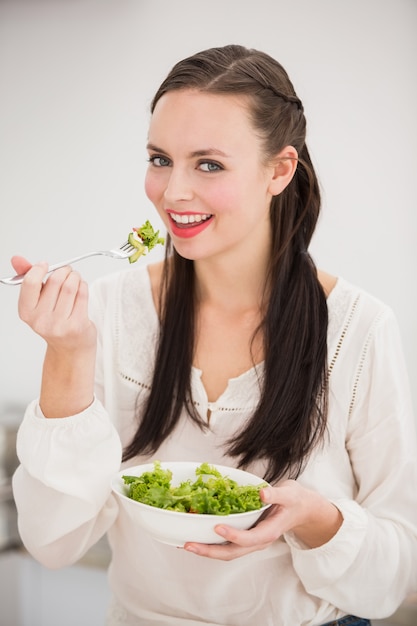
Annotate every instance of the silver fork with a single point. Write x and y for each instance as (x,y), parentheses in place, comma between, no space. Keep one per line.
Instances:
(125,251)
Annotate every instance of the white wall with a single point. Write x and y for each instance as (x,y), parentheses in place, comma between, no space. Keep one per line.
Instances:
(76,78)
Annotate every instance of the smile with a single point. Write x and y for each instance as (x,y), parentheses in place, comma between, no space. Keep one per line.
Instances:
(187,225)
(187,219)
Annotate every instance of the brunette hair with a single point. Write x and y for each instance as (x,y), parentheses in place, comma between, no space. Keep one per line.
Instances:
(291,415)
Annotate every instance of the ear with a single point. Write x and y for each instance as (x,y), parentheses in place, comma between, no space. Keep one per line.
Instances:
(284,166)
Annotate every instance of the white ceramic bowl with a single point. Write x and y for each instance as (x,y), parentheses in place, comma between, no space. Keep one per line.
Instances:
(174,527)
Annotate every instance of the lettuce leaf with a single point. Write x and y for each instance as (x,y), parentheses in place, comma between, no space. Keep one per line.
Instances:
(143,239)
(211,493)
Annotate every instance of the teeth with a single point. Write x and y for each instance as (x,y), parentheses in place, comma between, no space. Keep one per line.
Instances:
(189,219)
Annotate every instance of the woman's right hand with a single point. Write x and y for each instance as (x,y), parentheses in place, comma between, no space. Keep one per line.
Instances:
(56,308)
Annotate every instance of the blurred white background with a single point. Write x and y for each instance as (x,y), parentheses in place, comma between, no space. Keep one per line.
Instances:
(76,79)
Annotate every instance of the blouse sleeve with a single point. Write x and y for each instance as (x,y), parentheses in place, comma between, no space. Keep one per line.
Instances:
(370,565)
(66,466)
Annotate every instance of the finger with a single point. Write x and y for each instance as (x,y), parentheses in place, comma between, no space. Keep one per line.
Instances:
(80,314)
(20,264)
(221,552)
(81,302)
(43,294)
(265,532)
(31,289)
(67,296)
(286,489)
(237,543)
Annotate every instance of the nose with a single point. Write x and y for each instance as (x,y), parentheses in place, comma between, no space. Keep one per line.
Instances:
(178,186)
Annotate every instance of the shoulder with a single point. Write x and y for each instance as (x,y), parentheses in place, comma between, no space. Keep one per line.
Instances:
(350,306)
(343,297)
(359,325)
(349,301)
(123,295)
(327,281)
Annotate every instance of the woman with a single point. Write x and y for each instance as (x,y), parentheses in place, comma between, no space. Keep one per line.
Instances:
(234,350)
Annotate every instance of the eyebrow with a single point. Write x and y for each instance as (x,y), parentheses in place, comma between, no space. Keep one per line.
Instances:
(194,154)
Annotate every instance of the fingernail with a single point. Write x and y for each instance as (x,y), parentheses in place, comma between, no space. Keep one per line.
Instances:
(264,495)
(221,530)
(191,549)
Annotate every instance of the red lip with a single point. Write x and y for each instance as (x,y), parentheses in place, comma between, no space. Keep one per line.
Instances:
(186,231)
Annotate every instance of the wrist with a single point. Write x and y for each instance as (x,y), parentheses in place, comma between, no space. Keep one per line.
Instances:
(323,520)
(67,386)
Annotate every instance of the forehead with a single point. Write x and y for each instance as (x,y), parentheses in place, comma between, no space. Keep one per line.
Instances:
(195,116)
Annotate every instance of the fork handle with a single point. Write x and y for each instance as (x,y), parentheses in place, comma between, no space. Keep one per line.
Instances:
(18,279)
(74,259)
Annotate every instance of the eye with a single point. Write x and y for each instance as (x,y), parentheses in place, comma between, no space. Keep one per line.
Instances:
(209,166)
(159,161)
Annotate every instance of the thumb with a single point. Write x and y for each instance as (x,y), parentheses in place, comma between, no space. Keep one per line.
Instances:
(20,264)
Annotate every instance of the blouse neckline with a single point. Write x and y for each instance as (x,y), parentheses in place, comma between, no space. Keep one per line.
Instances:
(249,380)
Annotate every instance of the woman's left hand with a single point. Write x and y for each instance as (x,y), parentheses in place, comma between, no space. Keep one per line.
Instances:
(311,517)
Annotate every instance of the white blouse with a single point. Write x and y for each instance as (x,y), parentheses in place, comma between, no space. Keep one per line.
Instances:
(367,466)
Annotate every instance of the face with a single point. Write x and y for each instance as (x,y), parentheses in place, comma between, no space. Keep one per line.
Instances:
(206,176)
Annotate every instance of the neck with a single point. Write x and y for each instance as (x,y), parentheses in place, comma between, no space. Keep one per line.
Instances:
(230,284)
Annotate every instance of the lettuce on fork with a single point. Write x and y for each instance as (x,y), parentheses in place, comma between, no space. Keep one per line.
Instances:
(143,239)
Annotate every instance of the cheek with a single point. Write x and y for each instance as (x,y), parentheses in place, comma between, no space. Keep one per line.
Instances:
(223,198)
(153,187)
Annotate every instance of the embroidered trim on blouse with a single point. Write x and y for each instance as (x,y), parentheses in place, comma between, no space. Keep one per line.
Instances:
(342,337)
(362,361)
(134,381)
(224,409)
(332,364)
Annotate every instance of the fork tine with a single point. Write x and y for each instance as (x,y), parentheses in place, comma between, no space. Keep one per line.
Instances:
(127,247)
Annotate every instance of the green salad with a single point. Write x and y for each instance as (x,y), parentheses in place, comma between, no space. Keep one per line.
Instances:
(143,239)
(211,492)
